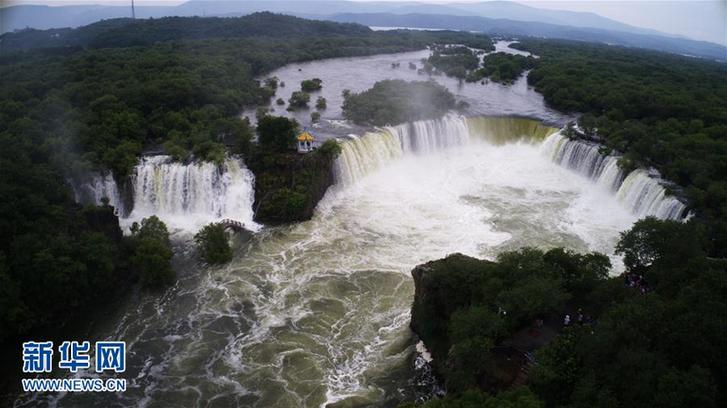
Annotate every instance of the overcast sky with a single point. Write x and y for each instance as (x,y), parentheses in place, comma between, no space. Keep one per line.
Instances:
(702,20)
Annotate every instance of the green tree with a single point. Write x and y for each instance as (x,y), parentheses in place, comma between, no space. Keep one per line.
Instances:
(277,132)
(212,244)
(330,149)
(664,243)
(321,103)
(298,100)
(311,85)
(152,253)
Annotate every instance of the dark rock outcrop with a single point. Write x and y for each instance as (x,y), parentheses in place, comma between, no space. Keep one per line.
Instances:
(288,186)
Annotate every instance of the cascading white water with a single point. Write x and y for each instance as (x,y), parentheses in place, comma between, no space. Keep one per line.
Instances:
(646,196)
(586,159)
(361,155)
(185,196)
(190,195)
(640,190)
(96,188)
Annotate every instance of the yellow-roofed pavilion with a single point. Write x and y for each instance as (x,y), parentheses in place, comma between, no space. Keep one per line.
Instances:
(305,142)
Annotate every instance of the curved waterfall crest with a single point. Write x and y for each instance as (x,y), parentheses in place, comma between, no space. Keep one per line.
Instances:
(187,195)
(201,192)
(642,191)
(362,155)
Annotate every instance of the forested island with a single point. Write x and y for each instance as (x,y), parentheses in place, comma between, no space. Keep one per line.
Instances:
(392,102)
(464,63)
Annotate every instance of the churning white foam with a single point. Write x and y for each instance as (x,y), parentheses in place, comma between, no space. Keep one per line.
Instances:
(184,195)
(641,191)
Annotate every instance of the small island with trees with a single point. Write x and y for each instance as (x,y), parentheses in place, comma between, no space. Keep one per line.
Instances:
(391,102)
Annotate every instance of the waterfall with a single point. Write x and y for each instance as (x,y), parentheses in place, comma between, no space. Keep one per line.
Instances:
(94,188)
(585,158)
(642,191)
(361,155)
(184,195)
(503,130)
(193,194)
(646,196)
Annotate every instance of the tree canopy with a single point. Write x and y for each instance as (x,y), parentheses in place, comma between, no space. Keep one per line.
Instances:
(391,102)
(650,338)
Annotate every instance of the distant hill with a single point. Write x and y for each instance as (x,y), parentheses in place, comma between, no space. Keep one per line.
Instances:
(124,32)
(494,17)
(531,29)
(43,17)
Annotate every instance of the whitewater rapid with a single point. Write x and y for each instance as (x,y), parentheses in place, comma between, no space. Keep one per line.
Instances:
(317,313)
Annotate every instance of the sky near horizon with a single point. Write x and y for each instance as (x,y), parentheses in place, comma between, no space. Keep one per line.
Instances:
(697,19)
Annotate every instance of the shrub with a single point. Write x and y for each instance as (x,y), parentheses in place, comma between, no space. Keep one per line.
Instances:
(212,244)
(330,148)
(311,85)
(298,99)
(321,103)
(277,132)
(152,253)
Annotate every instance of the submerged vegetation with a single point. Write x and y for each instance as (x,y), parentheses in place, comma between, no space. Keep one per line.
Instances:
(647,338)
(311,85)
(391,102)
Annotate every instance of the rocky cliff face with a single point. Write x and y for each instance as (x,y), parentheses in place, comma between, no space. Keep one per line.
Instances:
(288,186)
(441,288)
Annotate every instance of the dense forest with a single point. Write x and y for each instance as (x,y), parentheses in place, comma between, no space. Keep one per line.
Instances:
(658,110)
(98,104)
(651,337)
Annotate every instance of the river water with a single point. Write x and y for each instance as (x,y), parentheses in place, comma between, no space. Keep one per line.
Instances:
(317,313)
(361,73)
